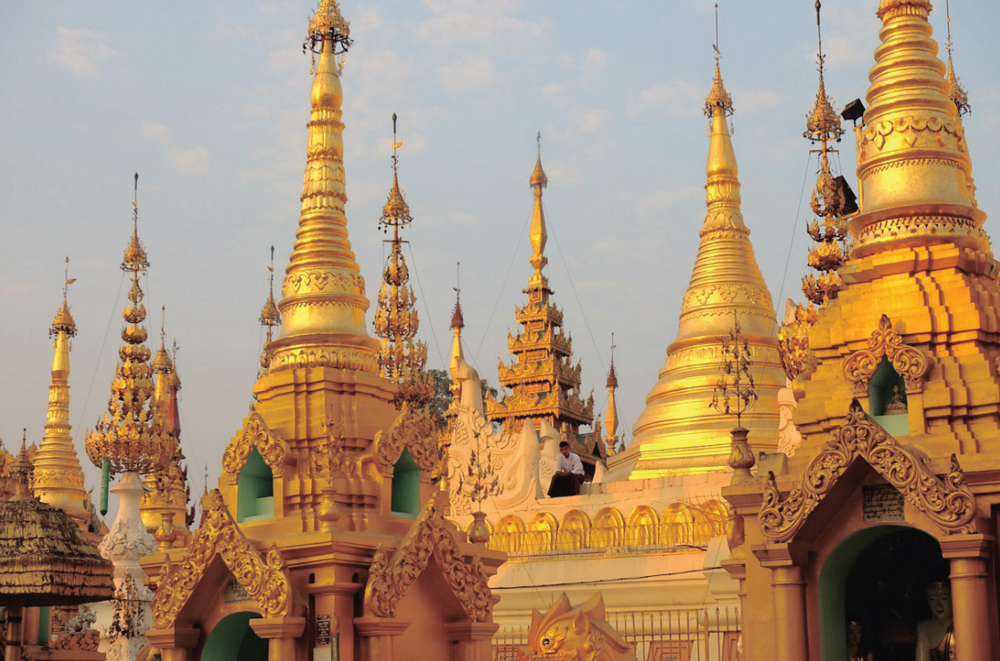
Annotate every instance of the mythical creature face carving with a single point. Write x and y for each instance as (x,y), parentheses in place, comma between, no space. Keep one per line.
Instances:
(565,633)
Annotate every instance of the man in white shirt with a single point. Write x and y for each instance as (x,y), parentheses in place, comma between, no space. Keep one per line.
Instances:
(569,473)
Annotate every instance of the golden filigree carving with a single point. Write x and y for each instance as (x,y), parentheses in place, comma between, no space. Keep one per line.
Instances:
(911,364)
(336,358)
(582,632)
(264,577)
(909,128)
(948,503)
(390,578)
(256,434)
(416,431)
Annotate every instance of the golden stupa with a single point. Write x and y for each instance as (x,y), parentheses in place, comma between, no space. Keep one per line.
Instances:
(677,433)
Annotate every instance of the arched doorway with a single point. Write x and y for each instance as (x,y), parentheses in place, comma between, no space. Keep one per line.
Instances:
(877,577)
(232,639)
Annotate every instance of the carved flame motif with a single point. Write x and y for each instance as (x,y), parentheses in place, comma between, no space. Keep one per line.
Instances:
(256,434)
(910,363)
(948,503)
(264,578)
(416,431)
(574,634)
(390,578)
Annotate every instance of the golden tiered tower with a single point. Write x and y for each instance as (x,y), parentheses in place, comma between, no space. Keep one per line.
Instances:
(323,359)
(544,386)
(57,475)
(165,506)
(677,433)
(400,358)
(919,231)
(611,417)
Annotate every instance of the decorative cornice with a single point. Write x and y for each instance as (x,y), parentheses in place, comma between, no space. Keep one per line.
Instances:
(416,431)
(911,364)
(391,577)
(256,434)
(265,577)
(948,503)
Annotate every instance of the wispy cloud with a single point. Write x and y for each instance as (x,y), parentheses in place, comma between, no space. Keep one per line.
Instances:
(189,161)
(483,23)
(469,75)
(83,53)
(678,98)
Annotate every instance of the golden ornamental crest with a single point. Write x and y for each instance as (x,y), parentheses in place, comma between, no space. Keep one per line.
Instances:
(911,364)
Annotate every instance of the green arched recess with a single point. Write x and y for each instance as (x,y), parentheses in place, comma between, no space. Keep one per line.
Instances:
(232,639)
(255,490)
(406,486)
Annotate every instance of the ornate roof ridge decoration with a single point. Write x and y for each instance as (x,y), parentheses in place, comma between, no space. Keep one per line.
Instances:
(264,576)
(948,503)
(391,577)
(255,434)
(415,430)
(911,364)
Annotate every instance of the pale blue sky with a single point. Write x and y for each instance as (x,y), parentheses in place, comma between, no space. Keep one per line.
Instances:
(209,100)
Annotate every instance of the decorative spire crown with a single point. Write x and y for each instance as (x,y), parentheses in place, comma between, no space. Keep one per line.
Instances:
(956,92)
(327,24)
(538,234)
(718,97)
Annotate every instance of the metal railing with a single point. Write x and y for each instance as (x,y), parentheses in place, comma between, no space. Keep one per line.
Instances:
(692,634)
(660,538)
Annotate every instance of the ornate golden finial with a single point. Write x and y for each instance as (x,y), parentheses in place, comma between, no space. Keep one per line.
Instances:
(327,24)
(457,320)
(718,97)
(400,357)
(20,471)
(64,320)
(270,316)
(130,436)
(537,233)
(955,90)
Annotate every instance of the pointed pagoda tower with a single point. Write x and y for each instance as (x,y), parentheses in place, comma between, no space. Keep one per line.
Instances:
(678,433)
(164,507)
(611,417)
(57,475)
(544,386)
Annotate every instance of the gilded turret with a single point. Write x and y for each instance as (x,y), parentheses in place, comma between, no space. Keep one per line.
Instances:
(913,161)
(164,507)
(543,384)
(130,435)
(611,417)
(400,358)
(677,433)
(58,477)
(323,299)
(270,318)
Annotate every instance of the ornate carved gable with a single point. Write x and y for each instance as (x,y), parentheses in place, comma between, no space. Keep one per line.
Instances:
(264,577)
(948,503)
(255,434)
(416,431)
(390,578)
(911,364)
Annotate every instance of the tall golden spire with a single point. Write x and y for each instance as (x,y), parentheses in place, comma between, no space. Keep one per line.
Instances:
(58,477)
(537,233)
(323,299)
(130,435)
(164,505)
(677,432)
(544,385)
(956,92)
(611,417)
(913,161)
(400,358)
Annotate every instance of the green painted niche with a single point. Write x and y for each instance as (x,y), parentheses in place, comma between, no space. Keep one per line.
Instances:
(406,486)
(255,490)
(885,386)
(232,639)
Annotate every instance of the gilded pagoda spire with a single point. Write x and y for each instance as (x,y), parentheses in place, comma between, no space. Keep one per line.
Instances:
(270,317)
(164,507)
(323,301)
(58,477)
(956,92)
(537,233)
(913,161)
(611,417)
(130,435)
(677,432)
(400,358)
(544,385)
